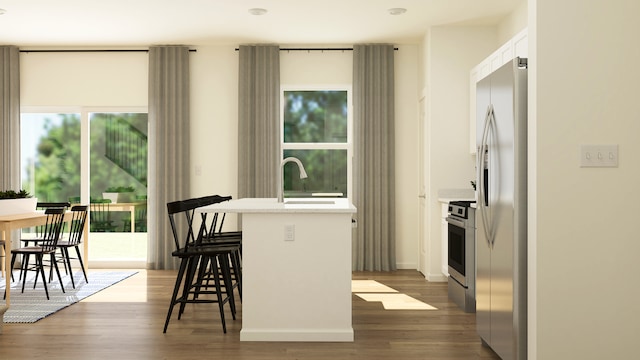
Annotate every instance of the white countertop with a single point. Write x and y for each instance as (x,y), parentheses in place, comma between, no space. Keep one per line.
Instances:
(448,195)
(290,205)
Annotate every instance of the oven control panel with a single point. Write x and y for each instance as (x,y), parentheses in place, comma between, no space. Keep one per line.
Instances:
(460,208)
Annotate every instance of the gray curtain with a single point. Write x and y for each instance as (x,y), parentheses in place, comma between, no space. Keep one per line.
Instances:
(10,117)
(258,120)
(373,168)
(169,174)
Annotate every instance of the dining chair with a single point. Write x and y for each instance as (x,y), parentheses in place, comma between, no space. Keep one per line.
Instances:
(46,246)
(36,236)
(100,216)
(74,240)
(193,254)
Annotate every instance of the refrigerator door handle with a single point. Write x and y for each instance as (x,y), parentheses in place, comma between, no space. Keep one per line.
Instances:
(483,155)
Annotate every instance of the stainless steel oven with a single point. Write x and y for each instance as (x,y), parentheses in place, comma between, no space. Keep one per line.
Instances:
(461,254)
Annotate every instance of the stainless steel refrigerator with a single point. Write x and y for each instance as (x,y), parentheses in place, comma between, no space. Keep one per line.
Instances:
(501,219)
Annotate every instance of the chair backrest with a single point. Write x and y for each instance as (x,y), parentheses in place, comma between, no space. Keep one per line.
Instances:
(46,205)
(217,220)
(183,233)
(52,228)
(78,220)
(39,230)
(100,215)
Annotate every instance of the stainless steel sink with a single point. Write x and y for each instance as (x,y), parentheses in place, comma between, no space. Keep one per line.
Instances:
(310,202)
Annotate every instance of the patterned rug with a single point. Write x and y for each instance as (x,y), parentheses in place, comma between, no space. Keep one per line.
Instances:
(32,305)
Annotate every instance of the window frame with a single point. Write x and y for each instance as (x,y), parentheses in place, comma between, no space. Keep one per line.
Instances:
(348,146)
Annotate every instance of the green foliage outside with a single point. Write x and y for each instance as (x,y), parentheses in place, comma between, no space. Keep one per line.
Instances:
(55,173)
(316,117)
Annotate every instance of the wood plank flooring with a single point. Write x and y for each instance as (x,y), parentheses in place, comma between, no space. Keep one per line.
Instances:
(125,322)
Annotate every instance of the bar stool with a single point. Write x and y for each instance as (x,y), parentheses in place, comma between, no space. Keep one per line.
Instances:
(213,235)
(193,254)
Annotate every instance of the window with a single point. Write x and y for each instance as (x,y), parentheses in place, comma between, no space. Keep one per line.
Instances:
(316,128)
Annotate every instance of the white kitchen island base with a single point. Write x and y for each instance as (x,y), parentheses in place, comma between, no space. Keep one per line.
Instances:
(296,270)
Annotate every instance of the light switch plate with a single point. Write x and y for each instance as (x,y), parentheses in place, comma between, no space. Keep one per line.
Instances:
(289,232)
(599,156)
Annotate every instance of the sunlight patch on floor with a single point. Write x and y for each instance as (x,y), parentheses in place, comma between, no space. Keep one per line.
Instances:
(371,290)
(133,290)
(370,286)
(397,301)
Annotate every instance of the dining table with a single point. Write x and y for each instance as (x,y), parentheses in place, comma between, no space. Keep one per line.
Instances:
(129,207)
(8,223)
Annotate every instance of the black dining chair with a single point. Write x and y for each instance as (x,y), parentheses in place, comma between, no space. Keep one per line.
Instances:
(36,236)
(46,246)
(193,254)
(74,240)
(213,234)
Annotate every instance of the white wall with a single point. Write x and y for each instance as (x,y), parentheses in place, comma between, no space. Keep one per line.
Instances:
(585,63)
(450,53)
(84,79)
(214,125)
(513,24)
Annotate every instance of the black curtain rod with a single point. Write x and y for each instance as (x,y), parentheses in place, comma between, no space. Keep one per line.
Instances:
(317,49)
(83,50)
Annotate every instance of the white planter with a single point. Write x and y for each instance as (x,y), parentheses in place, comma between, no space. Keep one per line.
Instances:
(122,197)
(17,206)
(110,196)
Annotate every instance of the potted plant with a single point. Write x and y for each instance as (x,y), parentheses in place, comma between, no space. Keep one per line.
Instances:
(119,194)
(16,202)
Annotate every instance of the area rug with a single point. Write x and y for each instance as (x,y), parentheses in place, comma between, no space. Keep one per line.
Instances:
(32,305)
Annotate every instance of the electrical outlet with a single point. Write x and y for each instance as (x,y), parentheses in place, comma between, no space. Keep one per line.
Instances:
(289,232)
(599,156)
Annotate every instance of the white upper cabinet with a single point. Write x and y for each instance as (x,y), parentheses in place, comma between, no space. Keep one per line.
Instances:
(516,46)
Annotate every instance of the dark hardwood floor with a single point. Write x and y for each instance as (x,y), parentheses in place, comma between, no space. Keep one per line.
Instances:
(125,322)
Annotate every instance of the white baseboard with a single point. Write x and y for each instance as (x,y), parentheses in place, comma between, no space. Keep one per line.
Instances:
(305,335)
(407,266)
(437,277)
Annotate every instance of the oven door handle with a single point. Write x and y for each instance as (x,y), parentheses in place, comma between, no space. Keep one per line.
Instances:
(453,221)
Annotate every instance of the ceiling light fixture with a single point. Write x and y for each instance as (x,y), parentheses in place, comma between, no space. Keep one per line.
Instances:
(257,11)
(397,11)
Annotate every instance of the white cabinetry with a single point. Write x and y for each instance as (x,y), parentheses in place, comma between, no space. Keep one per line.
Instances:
(516,46)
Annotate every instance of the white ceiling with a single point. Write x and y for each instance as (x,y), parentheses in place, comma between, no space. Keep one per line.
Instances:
(71,23)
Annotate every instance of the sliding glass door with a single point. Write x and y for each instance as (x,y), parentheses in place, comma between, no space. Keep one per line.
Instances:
(97,158)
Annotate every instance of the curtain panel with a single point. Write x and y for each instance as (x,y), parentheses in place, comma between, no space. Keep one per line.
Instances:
(374,170)
(169,100)
(10,117)
(258,120)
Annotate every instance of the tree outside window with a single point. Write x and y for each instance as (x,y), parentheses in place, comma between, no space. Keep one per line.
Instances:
(315,130)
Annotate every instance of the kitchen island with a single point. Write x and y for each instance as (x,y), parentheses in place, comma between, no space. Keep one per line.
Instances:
(296,263)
